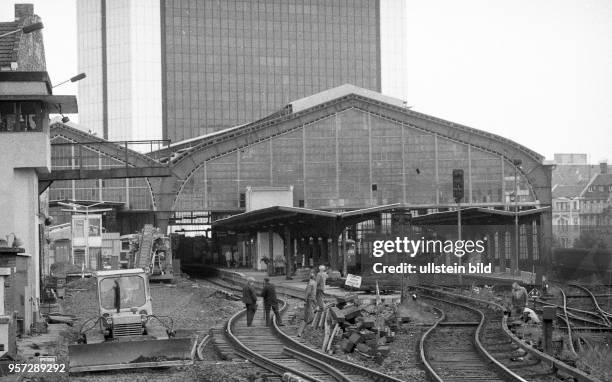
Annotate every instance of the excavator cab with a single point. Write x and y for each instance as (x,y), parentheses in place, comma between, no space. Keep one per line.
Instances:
(132,336)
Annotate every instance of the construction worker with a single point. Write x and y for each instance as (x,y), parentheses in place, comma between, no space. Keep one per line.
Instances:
(236,258)
(519,299)
(270,302)
(529,316)
(310,301)
(321,278)
(249,297)
(228,258)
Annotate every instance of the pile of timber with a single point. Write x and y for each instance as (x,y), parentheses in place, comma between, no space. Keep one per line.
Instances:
(364,329)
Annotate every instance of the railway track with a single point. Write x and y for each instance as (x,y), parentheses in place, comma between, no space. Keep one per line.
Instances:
(578,316)
(272,349)
(277,352)
(482,349)
(605,316)
(468,344)
(495,330)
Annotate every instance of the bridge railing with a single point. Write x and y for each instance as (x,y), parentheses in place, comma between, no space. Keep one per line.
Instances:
(95,155)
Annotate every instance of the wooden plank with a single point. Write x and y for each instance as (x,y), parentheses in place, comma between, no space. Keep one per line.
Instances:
(332,336)
(315,320)
(326,337)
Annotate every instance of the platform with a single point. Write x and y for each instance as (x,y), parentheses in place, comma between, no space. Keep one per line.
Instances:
(297,288)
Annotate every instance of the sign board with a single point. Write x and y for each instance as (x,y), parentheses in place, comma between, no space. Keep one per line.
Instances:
(87,230)
(353,281)
(535,293)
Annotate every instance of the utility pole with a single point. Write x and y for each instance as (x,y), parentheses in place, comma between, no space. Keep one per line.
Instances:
(515,269)
(458,187)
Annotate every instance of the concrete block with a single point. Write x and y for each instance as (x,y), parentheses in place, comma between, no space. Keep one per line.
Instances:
(347,346)
(337,314)
(356,338)
(351,312)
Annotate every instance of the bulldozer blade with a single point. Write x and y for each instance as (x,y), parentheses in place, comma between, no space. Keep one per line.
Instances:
(131,354)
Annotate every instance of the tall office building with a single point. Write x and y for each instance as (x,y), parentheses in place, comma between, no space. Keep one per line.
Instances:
(119,49)
(207,65)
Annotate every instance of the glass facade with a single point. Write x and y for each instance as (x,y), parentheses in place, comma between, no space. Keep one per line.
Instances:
(235,61)
(334,163)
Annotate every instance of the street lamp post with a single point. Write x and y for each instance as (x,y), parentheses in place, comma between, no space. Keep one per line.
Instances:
(27,29)
(76,78)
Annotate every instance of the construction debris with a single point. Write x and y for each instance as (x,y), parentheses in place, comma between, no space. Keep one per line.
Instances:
(366,329)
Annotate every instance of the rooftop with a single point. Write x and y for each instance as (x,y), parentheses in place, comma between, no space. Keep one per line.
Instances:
(9,44)
(327,97)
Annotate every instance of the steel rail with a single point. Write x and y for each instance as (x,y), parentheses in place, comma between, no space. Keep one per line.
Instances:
(578,374)
(291,343)
(604,315)
(259,359)
(294,347)
(426,363)
(568,323)
(569,308)
(504,371)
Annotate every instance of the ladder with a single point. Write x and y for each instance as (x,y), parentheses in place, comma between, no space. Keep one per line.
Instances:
(146,245)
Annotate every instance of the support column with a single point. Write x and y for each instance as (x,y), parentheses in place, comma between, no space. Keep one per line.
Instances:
(270,264)
(288,252)
(333,255)
(529,249)
(503,238)
(162,220)
(344,259)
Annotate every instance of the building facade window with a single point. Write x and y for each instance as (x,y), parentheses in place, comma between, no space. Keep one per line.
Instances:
(20,116)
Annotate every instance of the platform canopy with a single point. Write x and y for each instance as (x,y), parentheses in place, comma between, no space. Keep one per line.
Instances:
(318,221)
(476,215)
(275,217)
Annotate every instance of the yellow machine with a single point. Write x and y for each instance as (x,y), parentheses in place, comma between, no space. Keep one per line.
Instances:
(130,335)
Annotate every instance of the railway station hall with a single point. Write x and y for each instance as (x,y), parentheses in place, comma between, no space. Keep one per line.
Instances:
(316,181)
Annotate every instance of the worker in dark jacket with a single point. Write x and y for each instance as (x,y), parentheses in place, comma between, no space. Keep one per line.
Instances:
(249,297)
(270,302)
(519,299)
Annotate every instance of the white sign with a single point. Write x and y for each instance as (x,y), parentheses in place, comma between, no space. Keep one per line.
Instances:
(87,230)
(353,281)
(535,293)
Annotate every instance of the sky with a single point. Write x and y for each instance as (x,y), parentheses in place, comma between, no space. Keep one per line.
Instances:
(538,72)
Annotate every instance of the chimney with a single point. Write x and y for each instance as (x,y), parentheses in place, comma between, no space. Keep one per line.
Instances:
(603,167)
(23,10)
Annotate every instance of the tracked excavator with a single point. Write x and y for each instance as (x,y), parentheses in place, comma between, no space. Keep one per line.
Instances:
(126,334)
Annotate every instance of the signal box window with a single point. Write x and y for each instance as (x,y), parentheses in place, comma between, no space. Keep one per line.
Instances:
(20,116)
